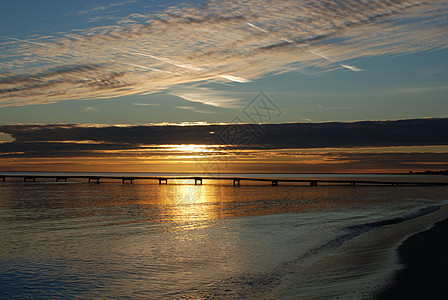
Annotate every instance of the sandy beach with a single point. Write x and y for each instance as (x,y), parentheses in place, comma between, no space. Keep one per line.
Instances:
(425,259)
(370,267)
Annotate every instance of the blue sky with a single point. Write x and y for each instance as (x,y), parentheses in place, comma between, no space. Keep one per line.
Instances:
(370,81)
(95,64)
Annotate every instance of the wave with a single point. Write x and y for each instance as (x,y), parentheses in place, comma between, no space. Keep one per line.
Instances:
(258,285)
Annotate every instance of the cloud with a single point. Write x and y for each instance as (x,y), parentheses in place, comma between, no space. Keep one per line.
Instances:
(106,7)
(5,138)
(418,132)
(145,104)
(194,109)
(21,40)
(222,41)
(91,109)
(205,96)
(353,68)
(298,147)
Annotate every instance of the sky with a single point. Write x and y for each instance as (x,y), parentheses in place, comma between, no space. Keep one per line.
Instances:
(353,69)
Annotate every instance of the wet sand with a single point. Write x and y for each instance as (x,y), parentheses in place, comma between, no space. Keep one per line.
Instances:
(425,257)
(365,267)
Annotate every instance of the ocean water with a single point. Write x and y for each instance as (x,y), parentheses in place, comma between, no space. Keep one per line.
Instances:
(148,241)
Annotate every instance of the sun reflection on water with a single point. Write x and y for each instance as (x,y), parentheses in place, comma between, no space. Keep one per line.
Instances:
(190,206)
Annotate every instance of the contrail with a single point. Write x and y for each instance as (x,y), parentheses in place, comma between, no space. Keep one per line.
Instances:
(171,62)
(143,67)
(23,41)
(234,78)
(167,60)
(256,27)
(267,31)
(181,65)
(218,82)
(320,55)
(353,68)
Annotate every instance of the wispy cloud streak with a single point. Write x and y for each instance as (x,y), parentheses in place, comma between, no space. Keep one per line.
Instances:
(222,41)
(205,96)
(352,68)
(22,41)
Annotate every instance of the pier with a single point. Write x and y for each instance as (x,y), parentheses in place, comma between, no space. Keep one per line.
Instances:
(198,180)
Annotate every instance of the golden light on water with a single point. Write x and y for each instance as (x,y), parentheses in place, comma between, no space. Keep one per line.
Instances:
(188,203)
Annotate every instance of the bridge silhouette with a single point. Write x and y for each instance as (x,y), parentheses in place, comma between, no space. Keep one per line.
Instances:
(198,180)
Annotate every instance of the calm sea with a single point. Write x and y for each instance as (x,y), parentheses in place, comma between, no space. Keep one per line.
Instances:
(148,241)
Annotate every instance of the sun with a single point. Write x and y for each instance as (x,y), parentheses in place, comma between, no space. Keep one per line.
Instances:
(192,148)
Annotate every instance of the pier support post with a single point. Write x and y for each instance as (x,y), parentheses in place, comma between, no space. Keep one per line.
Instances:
(163,179)
(97,179)
(196,180)
(353,183)
(274,182)
(236,182)
(3,178)
(131,180)
(313,183)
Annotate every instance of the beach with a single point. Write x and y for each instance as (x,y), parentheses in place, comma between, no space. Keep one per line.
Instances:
(392,262)
(425,273)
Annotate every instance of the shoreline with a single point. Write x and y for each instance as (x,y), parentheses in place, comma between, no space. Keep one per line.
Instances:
(362,268)
(425,273)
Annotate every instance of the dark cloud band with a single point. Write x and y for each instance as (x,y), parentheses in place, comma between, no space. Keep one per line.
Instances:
(50,138)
